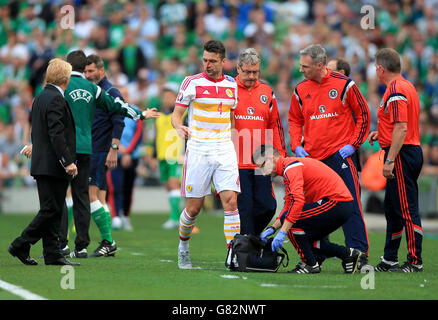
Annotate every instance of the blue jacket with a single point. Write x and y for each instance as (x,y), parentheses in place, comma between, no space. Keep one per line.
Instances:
(106,125)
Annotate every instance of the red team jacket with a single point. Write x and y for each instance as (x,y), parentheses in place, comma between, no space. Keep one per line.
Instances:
(400,103)
(308,180)
(257,122)
(325,111)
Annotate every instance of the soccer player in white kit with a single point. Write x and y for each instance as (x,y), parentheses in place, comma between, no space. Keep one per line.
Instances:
(210,98)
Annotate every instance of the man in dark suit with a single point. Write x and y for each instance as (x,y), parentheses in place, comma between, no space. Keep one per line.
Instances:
(52,166)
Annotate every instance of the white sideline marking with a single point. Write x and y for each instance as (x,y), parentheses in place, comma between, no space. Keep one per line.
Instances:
(19,291)
(316,287)
(228,276)
(268,285)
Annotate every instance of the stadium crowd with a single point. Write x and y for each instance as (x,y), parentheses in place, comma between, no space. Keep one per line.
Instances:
(147,44)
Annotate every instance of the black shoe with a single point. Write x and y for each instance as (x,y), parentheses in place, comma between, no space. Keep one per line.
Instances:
(410,267)
(62,262)
(79,254)
(65,251)
(386,266)
(105,249)
(351,262)
(363,264)
(302,267)
(23,257)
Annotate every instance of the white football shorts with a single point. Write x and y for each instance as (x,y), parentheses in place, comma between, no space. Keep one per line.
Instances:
(203,168)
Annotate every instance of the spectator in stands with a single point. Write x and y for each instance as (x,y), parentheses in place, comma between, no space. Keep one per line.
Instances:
(142,88)
(130,56)
(85,25)
(171,13)
(216,23)
(259,31)
(148,30)
(409,26)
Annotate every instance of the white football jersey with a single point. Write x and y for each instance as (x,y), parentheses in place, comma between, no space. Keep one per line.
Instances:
(210,103)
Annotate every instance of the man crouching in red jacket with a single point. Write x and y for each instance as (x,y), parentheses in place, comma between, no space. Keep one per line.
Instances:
(317,202)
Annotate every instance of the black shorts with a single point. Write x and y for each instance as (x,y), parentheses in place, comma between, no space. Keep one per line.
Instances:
(98,170)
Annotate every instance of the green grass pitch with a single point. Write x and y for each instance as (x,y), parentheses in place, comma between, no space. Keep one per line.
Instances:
(145,269)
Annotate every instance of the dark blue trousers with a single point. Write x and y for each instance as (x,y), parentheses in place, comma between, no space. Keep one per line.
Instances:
(309,235)
(355,231)
(121,187)
(401,205)
(256,202)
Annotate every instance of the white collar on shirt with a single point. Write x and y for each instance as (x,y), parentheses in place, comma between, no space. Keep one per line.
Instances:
(59,88)
(77,73)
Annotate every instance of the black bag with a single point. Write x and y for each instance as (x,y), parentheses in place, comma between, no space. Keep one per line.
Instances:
(248,253)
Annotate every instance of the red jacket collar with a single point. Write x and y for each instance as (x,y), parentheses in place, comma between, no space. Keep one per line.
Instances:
(326,76)
(240,84)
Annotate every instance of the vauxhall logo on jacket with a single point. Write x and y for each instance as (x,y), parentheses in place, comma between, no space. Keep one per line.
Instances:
(81,94)
(323,115)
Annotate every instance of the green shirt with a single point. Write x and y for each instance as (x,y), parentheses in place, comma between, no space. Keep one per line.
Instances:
(83,98)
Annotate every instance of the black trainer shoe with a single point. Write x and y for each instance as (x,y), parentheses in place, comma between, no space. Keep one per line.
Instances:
(105,249)
(79,254)
(410,267)
(387,266)
(351,262)
(363,265)
(302,267)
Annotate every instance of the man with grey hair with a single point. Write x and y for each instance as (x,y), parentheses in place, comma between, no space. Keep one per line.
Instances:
(398,135)
(256,122)
(321,111)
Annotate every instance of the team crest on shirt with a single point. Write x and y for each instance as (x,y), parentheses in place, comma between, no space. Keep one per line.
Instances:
(229,93)
(264,99)
(333,94)
(189,188)
(250,110)
(322,108)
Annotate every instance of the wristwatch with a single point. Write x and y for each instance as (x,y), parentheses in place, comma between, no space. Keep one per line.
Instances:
(389,161)
(115,146)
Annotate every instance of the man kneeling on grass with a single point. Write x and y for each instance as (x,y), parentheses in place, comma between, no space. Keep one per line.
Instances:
(317,202)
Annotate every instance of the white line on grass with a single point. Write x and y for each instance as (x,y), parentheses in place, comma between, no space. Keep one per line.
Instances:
(19,291)
(229,276)
(268,285)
